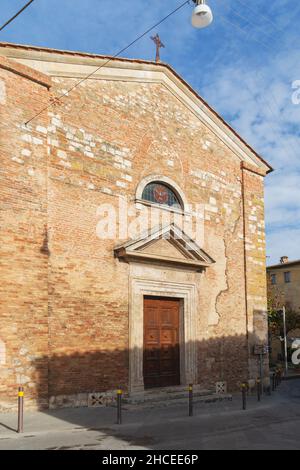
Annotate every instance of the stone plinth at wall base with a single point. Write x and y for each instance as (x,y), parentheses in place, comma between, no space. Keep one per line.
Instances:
(68,401)
(91,400)
(8,407)
(29,405)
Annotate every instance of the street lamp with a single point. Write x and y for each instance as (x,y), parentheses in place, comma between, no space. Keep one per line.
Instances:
(202,15)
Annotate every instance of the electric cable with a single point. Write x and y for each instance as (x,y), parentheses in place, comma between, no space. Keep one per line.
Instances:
(16,15)
(260,14)
(67,92)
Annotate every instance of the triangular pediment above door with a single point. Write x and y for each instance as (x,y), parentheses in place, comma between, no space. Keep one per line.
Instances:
(168,245)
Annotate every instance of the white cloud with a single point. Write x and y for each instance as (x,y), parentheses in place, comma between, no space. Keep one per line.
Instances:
(258,103)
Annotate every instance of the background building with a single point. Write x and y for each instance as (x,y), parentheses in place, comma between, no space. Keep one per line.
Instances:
(284,290)
(284,283)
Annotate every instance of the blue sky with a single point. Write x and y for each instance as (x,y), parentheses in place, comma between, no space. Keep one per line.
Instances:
(244,65)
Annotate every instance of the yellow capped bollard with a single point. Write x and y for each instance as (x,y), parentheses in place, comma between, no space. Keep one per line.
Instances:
(119,406)
(20,409)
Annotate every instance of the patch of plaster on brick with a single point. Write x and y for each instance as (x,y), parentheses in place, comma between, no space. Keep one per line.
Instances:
(220,280)
(215,315)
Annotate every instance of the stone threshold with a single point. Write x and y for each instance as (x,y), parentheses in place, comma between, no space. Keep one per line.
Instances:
(170,396)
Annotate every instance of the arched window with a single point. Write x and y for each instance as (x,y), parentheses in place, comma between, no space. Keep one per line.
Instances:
(161,193)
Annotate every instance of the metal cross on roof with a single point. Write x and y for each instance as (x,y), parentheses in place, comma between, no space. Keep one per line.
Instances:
(159,45)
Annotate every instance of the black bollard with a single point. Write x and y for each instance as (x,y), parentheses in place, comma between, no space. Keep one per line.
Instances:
(119,407)
(190,400)
(20,409)
(258,383)
(277,378)
(273,382)
(244,395)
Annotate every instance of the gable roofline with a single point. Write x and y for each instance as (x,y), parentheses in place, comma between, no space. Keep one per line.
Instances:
(6,46)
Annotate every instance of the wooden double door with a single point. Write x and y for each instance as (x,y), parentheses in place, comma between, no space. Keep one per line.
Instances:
(161,342)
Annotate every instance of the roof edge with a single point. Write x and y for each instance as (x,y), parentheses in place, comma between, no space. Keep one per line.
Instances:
(283,265)
(142,61)
(26,72)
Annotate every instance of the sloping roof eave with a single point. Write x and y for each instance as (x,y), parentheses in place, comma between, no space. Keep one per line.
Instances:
(284,265)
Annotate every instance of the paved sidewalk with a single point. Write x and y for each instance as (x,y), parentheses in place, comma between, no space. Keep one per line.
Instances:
(274,423)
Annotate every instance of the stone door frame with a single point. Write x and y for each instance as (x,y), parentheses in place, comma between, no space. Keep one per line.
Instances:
(188,328)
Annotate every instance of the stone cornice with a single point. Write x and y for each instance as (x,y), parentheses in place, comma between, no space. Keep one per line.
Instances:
(79,65)
(26,72)
(253,169)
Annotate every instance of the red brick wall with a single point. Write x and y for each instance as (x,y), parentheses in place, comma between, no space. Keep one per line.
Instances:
(255,261)
(23,217)
(64,312)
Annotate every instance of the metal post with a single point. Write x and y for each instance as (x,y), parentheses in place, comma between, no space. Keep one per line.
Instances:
(20,409)
(244,396)
(285,342)
(258,390)
(190,400)
(277,378)
(119,407)
(261,372)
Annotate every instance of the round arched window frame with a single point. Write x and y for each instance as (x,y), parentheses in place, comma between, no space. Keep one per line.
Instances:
(181,207)
(158,192)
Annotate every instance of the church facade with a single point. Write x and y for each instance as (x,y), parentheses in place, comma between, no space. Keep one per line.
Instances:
(132,232)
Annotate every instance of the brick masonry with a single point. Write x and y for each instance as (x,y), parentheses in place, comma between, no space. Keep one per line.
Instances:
(64,326)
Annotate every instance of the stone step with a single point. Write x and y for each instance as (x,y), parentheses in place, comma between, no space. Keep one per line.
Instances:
(175,389)
(174,401)
(166,395)
(171,396)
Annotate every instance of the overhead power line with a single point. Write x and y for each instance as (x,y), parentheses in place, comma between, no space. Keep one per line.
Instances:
(255,12)
(66,93)
(252,23)
(240,28)
(16,15)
